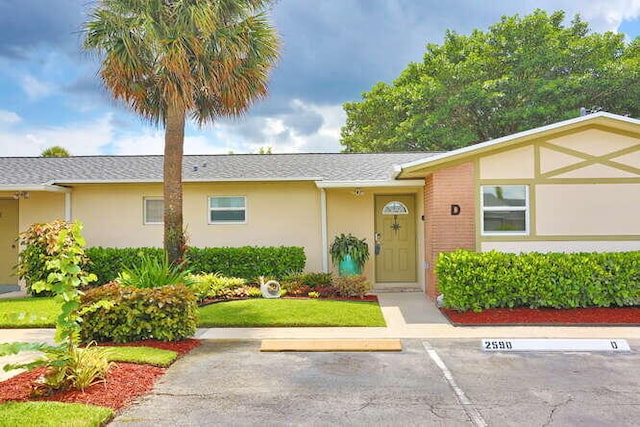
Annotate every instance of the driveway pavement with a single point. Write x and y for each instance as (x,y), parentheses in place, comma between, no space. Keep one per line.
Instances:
(232,383)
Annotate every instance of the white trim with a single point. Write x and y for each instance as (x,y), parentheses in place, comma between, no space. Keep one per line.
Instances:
(517,136)
(524,209)
(144,210)
(361,184)
(51,188)
(210,209)
(198,180)
(324,232)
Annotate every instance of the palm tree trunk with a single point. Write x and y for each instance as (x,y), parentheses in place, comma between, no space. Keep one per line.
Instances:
(173,149)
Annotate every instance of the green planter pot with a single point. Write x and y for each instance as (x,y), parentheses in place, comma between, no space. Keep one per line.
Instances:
(348,267)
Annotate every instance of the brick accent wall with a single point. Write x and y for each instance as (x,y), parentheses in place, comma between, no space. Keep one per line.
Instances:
(445,232)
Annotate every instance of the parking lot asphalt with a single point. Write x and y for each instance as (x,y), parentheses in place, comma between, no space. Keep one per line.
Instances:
(431,382)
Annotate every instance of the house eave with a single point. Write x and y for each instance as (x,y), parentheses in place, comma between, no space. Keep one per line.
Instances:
(369,184)
(50,188)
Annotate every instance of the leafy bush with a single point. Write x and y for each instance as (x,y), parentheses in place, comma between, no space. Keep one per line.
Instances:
(352,286)
(245,262)
(300,284)
(77,368)
(168,313)
(108,263)
(39,243)
(477,281)
(217,286)
(152,272)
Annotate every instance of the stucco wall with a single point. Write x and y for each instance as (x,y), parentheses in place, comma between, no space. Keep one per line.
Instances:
(40,207)
(277,214)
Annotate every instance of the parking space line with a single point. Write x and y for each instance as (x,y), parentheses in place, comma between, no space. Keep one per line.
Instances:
(471,411)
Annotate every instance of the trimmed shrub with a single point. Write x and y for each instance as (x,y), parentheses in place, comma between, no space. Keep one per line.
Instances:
(351,286)
(168,313)
(246,262)
(478,281)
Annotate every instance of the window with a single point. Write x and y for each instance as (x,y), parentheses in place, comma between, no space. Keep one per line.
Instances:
(153,210)
(395,208)
(505,210)
(227,210)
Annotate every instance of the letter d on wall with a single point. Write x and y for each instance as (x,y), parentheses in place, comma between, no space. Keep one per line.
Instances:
(455,209)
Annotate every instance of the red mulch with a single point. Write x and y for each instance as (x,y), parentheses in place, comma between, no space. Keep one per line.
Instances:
(528,316)
(125,381)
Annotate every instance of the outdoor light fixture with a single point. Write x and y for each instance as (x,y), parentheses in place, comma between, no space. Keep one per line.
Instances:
(20,194)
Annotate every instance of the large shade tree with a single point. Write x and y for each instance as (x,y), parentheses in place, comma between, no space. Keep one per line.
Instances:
(522,73)
(174,60)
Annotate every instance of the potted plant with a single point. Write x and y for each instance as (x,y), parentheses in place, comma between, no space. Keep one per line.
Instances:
(349,254)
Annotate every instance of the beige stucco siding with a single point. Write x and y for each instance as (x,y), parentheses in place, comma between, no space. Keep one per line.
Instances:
(583,209)
(277,214)
(596,142)
(286,214)
(513,164)
(40,207)
(112,214)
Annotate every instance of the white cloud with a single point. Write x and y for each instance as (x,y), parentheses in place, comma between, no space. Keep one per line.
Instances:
(78,138)
(34,88)
(9,117)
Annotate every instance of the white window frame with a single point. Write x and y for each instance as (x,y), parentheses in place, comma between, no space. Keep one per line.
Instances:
(144,210)
(210,209)
(524,208)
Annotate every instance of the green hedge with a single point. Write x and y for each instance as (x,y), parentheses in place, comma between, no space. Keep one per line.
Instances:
(247,262)
(167,313)
(478,281)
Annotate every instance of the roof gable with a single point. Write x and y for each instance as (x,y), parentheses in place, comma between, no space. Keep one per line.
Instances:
(602,120)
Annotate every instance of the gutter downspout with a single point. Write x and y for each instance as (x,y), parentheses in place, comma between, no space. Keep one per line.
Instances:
(323,227)
(67,207)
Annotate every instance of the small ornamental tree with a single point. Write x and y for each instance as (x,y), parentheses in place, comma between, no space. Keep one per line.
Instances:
(69,366)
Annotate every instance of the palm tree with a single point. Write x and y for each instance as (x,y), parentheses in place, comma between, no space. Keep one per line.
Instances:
(170,60)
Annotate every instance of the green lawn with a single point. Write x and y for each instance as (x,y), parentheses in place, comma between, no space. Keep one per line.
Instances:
(142,355)
(53,414)
(259,312)
(290,312)
(28,313)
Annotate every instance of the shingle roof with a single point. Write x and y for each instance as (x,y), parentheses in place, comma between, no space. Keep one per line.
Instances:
(16,171)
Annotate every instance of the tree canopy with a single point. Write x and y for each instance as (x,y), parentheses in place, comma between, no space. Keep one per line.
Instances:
(522,73)
(170,60)
(55,151)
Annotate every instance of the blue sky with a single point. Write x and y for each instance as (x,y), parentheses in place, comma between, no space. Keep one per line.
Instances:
(333,51)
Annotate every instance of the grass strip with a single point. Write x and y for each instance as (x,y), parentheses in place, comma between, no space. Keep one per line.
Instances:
(53,414)
(141,355)
(290,312)
(28,312)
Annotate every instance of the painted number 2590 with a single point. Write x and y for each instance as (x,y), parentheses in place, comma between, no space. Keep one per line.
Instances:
(498,345)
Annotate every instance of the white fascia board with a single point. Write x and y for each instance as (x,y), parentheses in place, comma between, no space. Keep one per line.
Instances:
(202,180)
(51,188)
(365,184)
(517,136)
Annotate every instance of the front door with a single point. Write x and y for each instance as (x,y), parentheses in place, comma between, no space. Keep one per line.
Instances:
(395,238)
(8,244)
